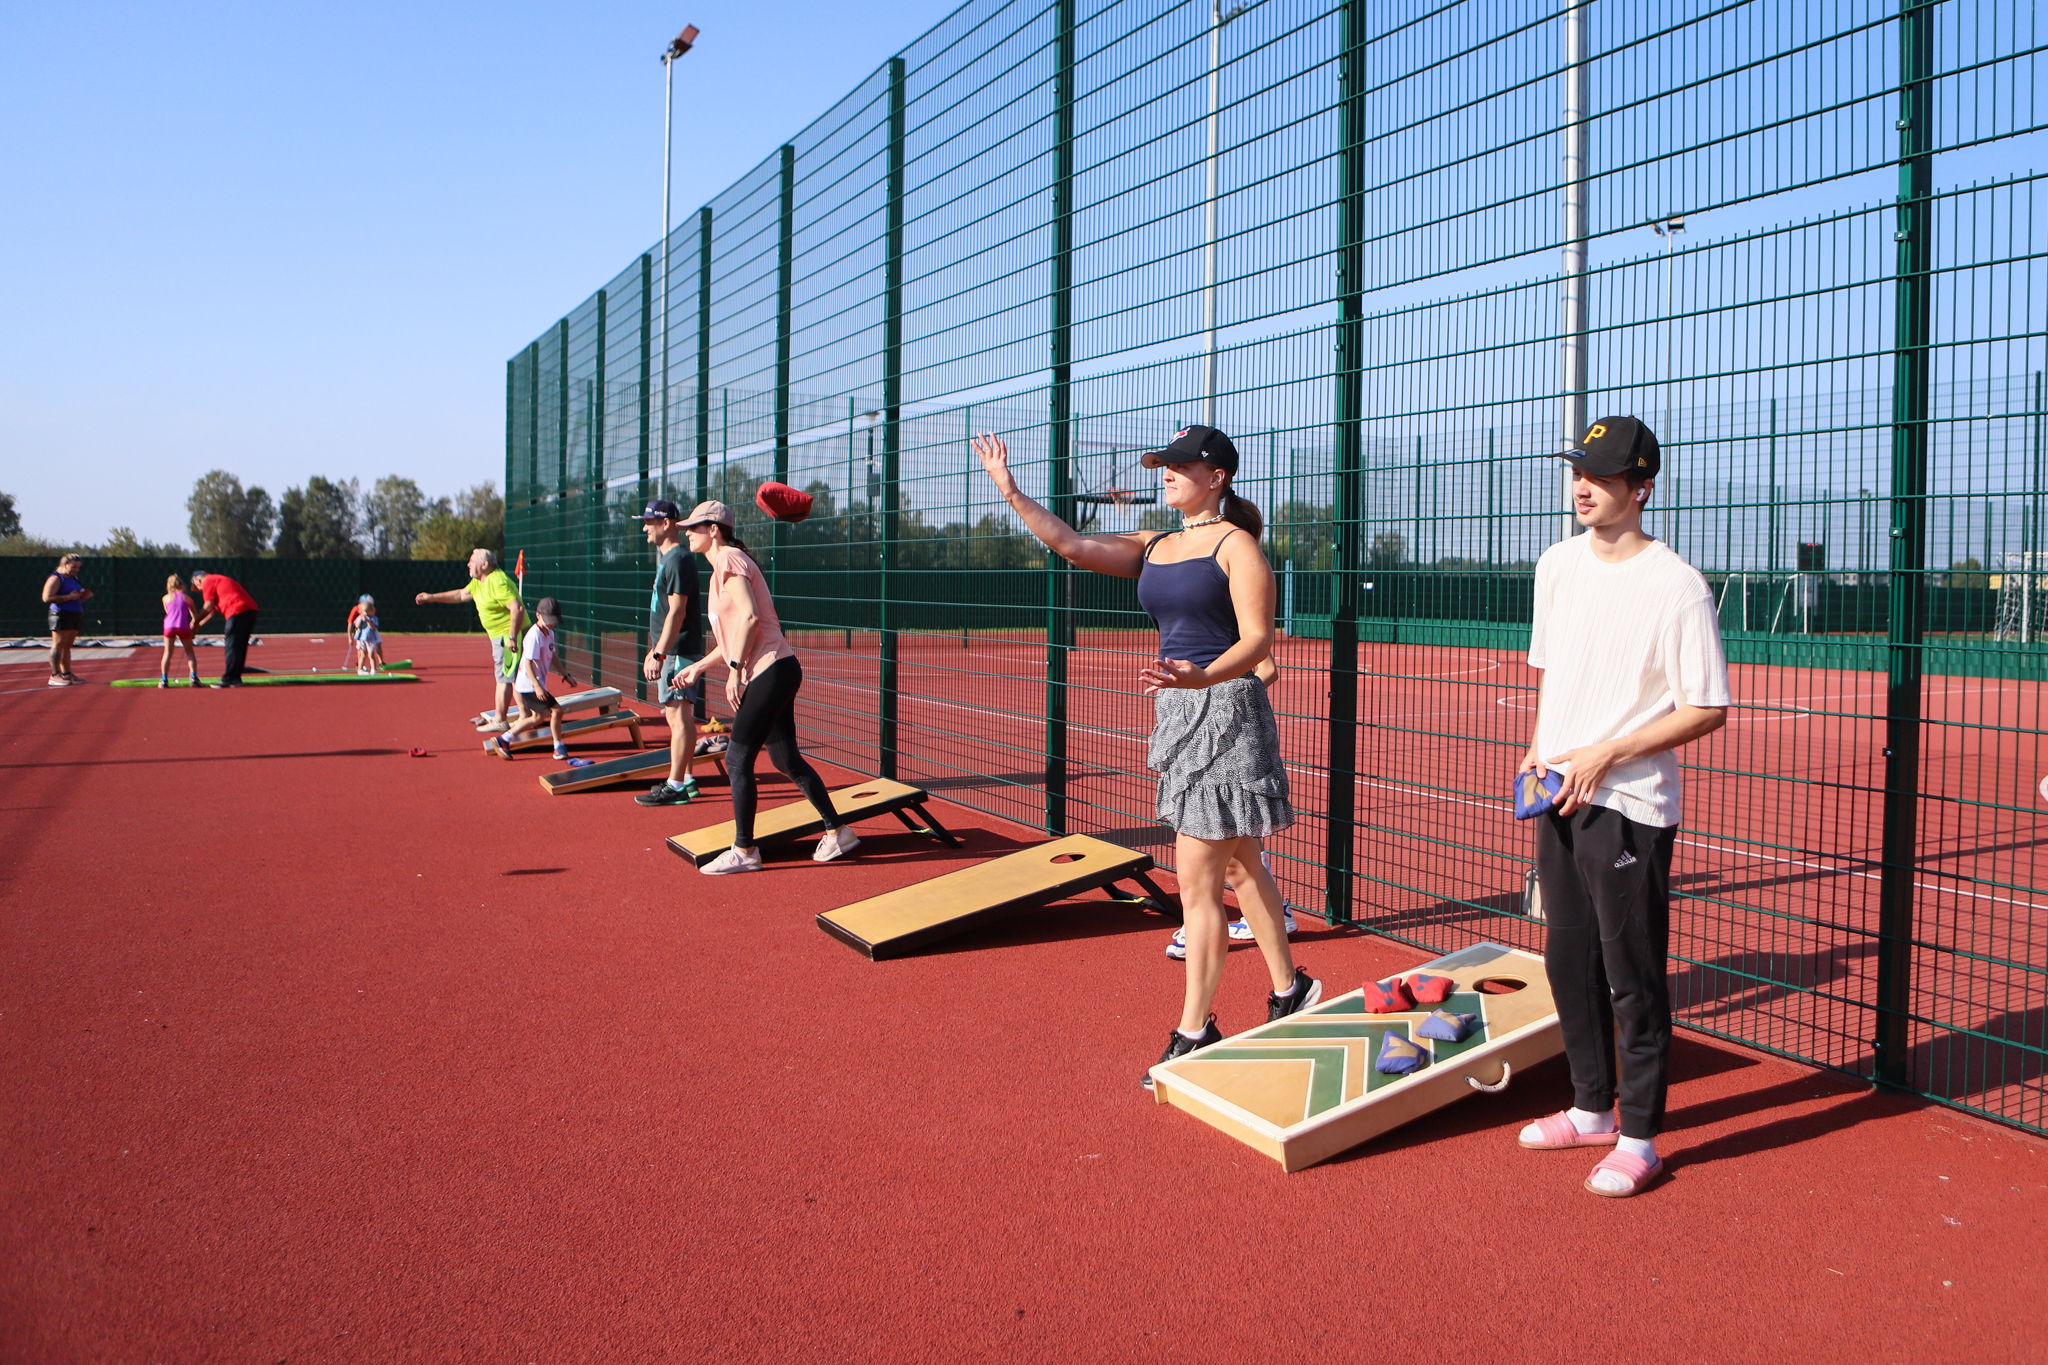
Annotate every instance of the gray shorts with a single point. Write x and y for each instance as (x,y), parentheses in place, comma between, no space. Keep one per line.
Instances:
(500,647)
(678,696)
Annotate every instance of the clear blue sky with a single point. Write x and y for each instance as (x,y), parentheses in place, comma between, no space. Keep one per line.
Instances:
(293,239)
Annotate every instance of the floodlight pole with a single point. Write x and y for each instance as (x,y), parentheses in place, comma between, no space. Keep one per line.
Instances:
(1217,19)
(678,45)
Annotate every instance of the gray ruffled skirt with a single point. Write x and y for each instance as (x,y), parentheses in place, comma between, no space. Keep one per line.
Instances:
(1217,753)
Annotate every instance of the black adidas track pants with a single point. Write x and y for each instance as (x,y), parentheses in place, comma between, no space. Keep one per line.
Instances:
(1606,884)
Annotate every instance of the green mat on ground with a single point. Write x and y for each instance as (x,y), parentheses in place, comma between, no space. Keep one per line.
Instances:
(272,679)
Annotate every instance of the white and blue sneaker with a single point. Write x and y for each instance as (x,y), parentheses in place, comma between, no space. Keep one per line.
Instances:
(1240,932)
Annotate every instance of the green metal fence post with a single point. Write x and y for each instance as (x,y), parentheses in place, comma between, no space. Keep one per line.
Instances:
(1059,582)
(533,425)
(703,355)
(1912,371)
(641,644)
(892,413)
(593,510)
(1339,853)
(785,275)
(561,518)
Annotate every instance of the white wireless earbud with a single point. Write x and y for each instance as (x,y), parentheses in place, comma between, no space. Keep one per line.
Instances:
(1642,493)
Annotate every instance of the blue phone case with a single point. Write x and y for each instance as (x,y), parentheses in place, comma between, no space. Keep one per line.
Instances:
(1533,796)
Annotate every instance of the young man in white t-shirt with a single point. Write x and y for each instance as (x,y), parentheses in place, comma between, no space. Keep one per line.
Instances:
(1629,642)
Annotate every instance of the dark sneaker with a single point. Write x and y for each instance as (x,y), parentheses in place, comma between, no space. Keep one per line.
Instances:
(1178,1044)
(1307,990)
(662,794)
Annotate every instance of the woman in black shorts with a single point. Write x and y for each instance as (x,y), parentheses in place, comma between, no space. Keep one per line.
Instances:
(66,597)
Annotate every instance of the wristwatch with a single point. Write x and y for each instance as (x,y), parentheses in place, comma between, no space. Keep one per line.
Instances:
(657,654)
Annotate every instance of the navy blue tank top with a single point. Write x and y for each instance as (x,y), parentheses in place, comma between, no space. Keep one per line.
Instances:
(75,607)
(1190,603)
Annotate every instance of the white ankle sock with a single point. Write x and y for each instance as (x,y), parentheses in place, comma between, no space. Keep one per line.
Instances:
(1587,1121)
(1642,1148)
(1292,987)
(678,786)
(1197,1036)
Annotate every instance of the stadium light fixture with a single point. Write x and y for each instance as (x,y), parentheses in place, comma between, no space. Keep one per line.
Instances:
(677,46)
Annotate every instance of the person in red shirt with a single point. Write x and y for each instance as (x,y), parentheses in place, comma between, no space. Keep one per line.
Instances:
(223,597)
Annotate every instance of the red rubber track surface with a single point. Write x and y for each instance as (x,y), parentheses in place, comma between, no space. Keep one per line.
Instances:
(313,1051)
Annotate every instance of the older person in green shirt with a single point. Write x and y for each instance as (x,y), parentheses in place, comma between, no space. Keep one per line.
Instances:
(498,607)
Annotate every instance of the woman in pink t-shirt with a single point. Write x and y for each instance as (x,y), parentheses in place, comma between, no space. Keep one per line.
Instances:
(762,678)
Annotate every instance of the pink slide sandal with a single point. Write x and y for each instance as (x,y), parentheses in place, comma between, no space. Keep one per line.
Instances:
(1637,1171)
(1560,1132)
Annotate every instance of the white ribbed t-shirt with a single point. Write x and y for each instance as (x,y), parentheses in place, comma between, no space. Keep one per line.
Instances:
(1622,645)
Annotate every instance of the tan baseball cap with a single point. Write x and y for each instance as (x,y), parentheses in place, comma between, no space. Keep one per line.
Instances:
(711,511)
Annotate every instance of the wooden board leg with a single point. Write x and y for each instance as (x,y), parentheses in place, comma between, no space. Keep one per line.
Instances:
(1165,904)
(937,830)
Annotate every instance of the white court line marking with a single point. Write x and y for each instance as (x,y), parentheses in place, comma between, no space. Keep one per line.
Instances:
(1495,806)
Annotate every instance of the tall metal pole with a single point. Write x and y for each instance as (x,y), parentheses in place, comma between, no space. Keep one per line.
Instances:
(887,737)
(1912,376)
(668,104)
(678,45)
(1059,585)
(1340,853)
(1572,296)
(703,354)
(785,284)
(1217,19)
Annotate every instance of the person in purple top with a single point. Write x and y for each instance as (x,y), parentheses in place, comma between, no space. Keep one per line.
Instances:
(66,597)
(1215,745)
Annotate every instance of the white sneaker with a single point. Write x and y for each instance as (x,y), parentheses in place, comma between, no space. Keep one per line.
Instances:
(732,860)
(837,843)
(1240,932)
(58,680)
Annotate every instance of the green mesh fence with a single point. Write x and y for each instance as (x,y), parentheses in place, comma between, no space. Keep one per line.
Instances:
(1398,250)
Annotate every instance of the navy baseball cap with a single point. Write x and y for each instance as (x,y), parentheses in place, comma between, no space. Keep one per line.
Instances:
(1195,443)
(661,507)
(1615,445)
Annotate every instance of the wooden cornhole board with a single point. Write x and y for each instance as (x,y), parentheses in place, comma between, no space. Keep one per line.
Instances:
(796,820)
(571,729)
(894,924)
(601,699)
(648,763)
(1304,1089)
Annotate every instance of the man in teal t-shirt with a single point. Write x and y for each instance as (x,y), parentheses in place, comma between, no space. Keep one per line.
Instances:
(498,607)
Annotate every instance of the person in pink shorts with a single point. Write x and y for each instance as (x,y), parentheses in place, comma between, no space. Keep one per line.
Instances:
(177,630)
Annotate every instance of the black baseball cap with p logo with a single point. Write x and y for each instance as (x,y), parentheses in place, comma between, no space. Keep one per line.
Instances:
(1195,443)
(1616,445)
(658,508)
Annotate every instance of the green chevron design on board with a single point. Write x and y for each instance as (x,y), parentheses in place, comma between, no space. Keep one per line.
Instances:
(1326,1076)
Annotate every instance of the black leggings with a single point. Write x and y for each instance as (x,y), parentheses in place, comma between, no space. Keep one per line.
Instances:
(767,718)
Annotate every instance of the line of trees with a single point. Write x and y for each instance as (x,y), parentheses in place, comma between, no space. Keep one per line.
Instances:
(323,519)
(334,519)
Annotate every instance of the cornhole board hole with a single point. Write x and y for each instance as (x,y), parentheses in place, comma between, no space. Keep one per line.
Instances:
(601,699)
(796,820)
(894,924)
(645,766)
(1304,1089)
(573,729)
